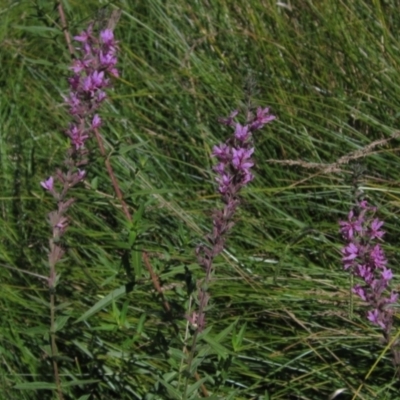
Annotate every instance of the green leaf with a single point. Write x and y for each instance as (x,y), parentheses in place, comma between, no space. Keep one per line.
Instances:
(223,334)
(51,386)
(80,382)
(95,183)
(36,386)
(83,347)
(175,394)
(60,322)
(116,312)
(104,302)
(123,314)
(136,261)
(125,149)
(137,217)
(193,388)
(132,237)
(38,29)
(217,347)
(237,338)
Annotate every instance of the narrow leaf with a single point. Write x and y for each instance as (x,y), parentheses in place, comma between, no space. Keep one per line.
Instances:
(104,302)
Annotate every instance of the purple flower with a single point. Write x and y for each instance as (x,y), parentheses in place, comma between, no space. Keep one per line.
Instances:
(78,137)
(113,71)
(74,82)
(96,122)
(84,36)
(220,168)
(100,96)
(222,152)
(107,37)
(94,81)
(374,229)
(378,256)
(350,253)
(387,274)
(74,103)
(229,121)
(393,297)
(48,184)
(107,59)
(375,317)
(242,132)
(81,173)
(241,158)
(248,177)
(349,227)
(224,183)
(365,272)
(62,225)
(263,117)
(77,66)
(359,291)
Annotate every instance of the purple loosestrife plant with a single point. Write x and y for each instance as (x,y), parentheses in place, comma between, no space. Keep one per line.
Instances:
(365,258)
(97,58)
(233,169)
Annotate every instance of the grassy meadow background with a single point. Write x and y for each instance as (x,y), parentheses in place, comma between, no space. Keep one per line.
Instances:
(279,309)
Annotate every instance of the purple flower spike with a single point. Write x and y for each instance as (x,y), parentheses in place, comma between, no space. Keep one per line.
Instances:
(96,60)
(366,260)
(234,156)
(233,171)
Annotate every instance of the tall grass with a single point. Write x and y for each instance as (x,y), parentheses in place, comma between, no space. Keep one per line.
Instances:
(279,319)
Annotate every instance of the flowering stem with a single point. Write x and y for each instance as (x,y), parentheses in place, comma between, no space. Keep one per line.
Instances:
(118,191)
(233,173)
(54,351)
(366,260)
(97,57)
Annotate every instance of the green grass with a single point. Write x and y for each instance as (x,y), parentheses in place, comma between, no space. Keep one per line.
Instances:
(329,70)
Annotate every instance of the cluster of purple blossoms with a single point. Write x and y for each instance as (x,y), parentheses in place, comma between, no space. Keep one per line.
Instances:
(234,156)
(233,172)
(87,84)
(366,260)
(96,60)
